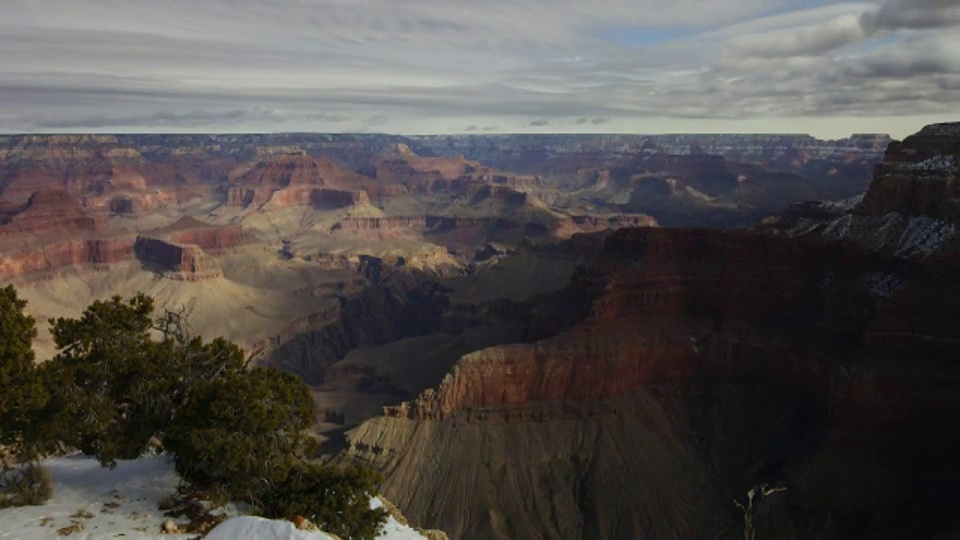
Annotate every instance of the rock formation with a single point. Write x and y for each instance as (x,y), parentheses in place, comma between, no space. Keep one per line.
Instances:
(45,211)
(296,179)
(182,250)
(177,261)
(919,176)
(707,363)
(429,175)
(39,259)
(211,238)
(909,211)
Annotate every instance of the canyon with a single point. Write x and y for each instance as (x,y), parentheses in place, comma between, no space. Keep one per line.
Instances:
(551,336)
(813,355)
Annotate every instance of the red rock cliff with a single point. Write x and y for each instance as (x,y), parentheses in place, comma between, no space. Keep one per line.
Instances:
(213,239)
(177,261)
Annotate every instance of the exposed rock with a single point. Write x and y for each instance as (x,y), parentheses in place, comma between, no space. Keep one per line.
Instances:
(708,363)
(399,305)
(24,260)
(177,261)
(381,223)
(213,239)
(920,176)
(297,179)
(169,526)
(586,223)
(304,524)
(47,210)
(912,209)
(431,175)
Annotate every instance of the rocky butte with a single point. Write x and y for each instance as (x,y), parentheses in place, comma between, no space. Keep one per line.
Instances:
(180,250)
(707,364)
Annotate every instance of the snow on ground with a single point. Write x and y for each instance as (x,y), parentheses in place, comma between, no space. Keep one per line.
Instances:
(265,529)
(122,503)
(393,530)
(106,504)
(261,529)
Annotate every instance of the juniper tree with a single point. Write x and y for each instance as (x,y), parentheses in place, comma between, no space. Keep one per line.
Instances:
(242,433)
(115,388)
(21,393)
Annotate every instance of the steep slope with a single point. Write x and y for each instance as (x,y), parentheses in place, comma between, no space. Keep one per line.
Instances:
(709,363)
(912,209)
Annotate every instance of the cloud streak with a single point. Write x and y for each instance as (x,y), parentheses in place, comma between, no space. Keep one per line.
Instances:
(426,65)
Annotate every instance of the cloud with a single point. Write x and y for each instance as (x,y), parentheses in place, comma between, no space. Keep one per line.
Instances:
(813,40)
(161,119)
(914,15)
(376,120)
(425,65)
(859,23)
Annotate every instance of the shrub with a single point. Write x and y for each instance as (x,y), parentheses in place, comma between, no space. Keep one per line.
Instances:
(114,388)
(336,500)
(28,486)
(242,433)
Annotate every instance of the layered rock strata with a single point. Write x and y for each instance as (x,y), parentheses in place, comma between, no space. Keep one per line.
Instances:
(177,261)
(708,363)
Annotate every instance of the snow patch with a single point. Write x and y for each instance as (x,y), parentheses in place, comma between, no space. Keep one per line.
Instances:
(938,162)
(844,205)
(393,529)
(105,503)
(122,503)
(882,285)
(839,228)
(254,528)
(248,527)
(923,236)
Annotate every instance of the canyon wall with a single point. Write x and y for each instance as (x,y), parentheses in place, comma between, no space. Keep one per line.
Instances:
(707,363)
(51,256)
(919,176)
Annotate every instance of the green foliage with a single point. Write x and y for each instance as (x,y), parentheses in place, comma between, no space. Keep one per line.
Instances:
(123,383)
(114,388)
(242,433)
(336,500)
(21,393)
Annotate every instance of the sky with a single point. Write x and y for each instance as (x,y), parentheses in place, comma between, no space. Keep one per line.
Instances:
(479,66)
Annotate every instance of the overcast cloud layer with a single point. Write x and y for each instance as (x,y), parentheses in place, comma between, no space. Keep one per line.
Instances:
(452,66)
